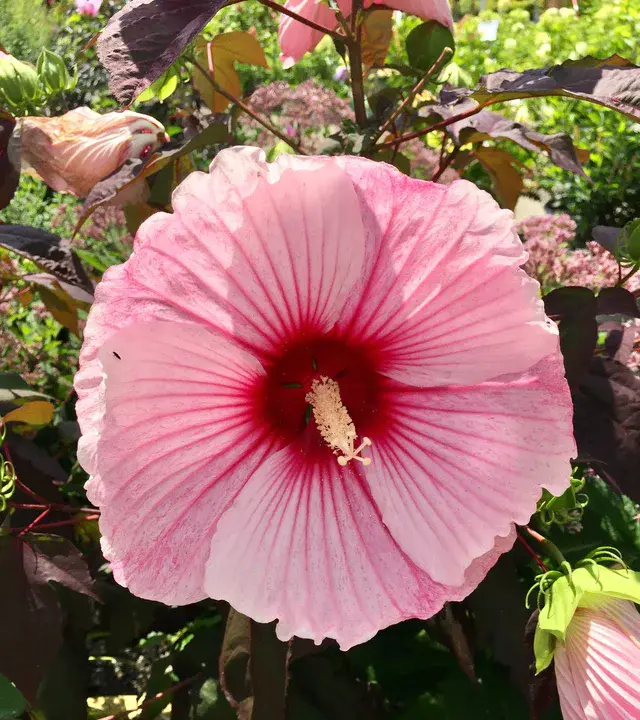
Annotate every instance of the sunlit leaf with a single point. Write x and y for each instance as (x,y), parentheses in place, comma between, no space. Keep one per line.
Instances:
(225,50)
(38,412)
(377,31)
(501,166)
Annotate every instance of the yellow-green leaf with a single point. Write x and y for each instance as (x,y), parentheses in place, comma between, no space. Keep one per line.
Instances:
(377,31)
(38,412)
(225,50)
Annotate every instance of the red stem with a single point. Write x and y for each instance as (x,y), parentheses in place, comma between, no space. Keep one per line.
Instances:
(43,514)
(532,552)
(60,523)
(155,698)
(425,131)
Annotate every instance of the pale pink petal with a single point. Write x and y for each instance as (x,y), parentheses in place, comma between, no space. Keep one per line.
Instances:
(454,467)
(304,543)
(597,669)
(295,37)
(177,441)
(259,251)
(442,295)
(438,10)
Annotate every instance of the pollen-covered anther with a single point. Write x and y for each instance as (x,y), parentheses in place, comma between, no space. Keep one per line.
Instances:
(333,421)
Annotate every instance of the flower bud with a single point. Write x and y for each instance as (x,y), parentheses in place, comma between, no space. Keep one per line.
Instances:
(73,152)
(53,73)
(18,81)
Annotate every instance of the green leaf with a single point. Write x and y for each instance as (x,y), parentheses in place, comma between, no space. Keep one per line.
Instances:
(561,603)
(544,645)
(426,42)
(12,703)
(600,580)
(15,390)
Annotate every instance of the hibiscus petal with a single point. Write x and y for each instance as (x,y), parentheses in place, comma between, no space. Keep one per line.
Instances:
(457,466)
(303,542)
(597,670)
(295,37)
(256,260)
(438,10)
(177,441)
(443,296)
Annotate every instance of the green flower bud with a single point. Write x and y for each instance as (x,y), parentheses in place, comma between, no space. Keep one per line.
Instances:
(53,72)
(18,81)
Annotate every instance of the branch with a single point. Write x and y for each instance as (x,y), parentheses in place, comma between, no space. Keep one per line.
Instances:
(285,11)
(444,165)
(412,93)
(155,698)
(354,48)
(243,106)
(425,131)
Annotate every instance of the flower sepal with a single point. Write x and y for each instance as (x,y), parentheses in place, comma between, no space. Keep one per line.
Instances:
(562,592)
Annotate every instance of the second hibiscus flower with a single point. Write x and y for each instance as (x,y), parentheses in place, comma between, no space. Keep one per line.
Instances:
(322,391)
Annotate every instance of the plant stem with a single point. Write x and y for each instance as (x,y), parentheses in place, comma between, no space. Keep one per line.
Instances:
(628,276)
(61,523)
(155,698)
(444,165)
(285,11)
(547,545)
(243,106)
(425,131)
(412,93)
(532,552)
(354,50)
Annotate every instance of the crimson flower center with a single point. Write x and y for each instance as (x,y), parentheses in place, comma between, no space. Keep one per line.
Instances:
(301,385)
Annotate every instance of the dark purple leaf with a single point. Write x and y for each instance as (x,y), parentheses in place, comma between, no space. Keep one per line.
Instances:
(53,254)
(606,236)
(488,125)
(31,618)
(143,39)
(9,176)
(607,423)
(500,618)
(254,670)
(575,310)
(613,83)
(617,301)
(60,561)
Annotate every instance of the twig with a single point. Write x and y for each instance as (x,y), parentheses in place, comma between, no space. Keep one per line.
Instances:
(412,93)
(236,101)
(285,11)
(425,131)
(444,165)
(155,698)
(42,515)
(52,506)
(354,49)
(61,523)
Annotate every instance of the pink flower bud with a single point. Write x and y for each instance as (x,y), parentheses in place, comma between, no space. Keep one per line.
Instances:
(88,7)
(73,152)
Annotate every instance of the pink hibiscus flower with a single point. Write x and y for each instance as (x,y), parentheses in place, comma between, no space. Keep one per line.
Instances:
(597,668)
(296,38)
(322,391)
(88,7)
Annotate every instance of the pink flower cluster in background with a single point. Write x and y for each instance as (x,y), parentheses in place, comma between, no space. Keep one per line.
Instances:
(553,263)
(88,7)
(309,112)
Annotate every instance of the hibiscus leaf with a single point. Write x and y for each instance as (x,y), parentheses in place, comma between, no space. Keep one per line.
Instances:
(254,668)
(377,31)
(542,690)
(53,254)
(58,560)
(135,169)
(144,38)
(488,125)
(607,423)
(13,389)
(9,176)
(617,301)
(226,50)
(426,42)
(12,702)
(575,310)
(607,237)
(31,618)
(500,165)
(613,82)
